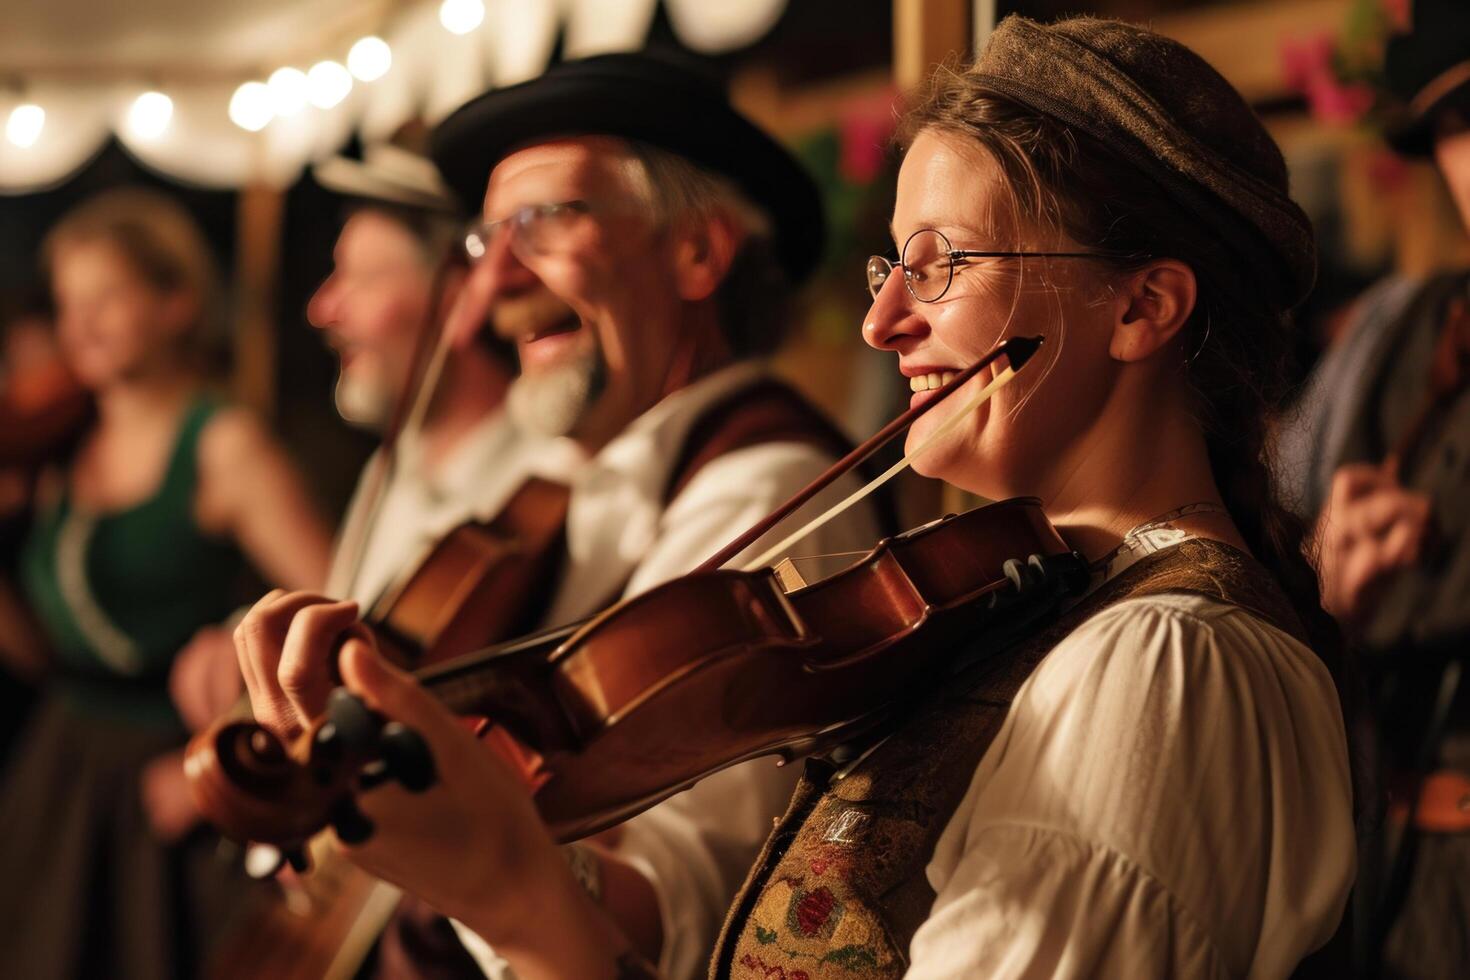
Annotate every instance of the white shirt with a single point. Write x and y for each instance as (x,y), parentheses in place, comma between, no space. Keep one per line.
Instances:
(696,847)
(422,503)
(1168,796)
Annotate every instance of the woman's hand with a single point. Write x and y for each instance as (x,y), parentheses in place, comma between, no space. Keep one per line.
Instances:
(164,791)
(205,680)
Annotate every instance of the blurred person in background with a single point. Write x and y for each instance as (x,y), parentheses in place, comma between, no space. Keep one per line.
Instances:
(42,410)
(1378,455)
(137,539)
(374,310)
(396,265)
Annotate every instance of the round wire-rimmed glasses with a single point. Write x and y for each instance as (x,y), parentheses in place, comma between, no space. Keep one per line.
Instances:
(928,263)
(533,228)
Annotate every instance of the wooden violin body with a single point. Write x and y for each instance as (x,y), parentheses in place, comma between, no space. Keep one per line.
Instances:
(42,415)
(482,583)
(691,677)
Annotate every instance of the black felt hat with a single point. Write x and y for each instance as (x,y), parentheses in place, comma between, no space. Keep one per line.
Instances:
(646,98)
(1428,70)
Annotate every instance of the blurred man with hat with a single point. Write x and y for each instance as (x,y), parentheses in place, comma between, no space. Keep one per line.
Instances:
(1380,453)
(638,242)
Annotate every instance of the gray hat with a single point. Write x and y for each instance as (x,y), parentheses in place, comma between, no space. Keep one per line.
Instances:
(1163,108)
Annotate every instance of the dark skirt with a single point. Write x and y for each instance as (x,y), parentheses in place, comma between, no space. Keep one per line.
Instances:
(85,888)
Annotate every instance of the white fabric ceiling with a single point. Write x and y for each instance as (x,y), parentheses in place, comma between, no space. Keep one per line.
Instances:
(84,63)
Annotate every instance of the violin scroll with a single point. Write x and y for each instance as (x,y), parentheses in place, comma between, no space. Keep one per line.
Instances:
(255,788)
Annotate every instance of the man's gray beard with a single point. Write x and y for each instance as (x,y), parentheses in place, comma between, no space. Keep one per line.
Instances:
(551,403)
(363,404)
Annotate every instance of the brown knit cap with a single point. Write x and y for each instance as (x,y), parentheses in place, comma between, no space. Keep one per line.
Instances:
(1163,108)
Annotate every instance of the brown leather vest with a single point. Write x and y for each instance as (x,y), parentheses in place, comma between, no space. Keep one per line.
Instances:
(840,888)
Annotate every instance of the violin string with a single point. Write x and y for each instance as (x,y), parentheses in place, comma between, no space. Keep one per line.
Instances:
(1000,381)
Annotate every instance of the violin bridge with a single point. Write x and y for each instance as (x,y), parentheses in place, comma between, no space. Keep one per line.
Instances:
(788,576)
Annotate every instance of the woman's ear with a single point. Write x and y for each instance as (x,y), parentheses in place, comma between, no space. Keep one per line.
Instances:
(704,249)
(1152,305)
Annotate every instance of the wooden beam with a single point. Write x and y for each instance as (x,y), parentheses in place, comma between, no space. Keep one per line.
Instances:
(926,32)
(259,214)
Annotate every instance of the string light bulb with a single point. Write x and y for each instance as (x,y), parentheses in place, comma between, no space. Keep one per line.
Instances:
(150,115)
(251,107)
(288,91)
(24,126)
(369,59)
(327,84)
(461,16)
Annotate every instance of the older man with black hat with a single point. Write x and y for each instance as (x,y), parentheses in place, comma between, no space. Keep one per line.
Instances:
(1380,453)
(639,241)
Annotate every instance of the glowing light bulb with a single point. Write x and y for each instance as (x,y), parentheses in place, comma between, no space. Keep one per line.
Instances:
(150,115)
(24,126)
(252,107)
(288,91)
(461,16)
(370,59)
(327,84)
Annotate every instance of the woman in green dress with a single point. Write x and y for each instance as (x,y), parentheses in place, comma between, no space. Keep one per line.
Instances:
(136,543)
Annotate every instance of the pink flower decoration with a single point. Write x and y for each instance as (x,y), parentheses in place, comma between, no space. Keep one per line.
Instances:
(864,130)
(1333,102)
(1305,60)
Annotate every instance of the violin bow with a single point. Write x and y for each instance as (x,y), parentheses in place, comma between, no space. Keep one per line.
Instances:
(1016,350)
(431,352)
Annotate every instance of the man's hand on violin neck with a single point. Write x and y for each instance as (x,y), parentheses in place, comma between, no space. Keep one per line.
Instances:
(285,646)
(472,844)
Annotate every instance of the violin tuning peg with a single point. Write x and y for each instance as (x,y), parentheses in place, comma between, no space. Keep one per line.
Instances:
(373,775)
(1036,566)
(350,823)
(1013,570)
(407,757)
(353,724)
(297,858)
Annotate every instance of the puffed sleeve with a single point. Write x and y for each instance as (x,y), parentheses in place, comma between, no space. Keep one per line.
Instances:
(1169,796)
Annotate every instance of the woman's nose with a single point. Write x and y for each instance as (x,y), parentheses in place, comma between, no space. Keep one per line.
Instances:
(892,321)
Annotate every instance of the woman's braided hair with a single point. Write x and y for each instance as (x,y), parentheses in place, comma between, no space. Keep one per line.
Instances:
(1065,179)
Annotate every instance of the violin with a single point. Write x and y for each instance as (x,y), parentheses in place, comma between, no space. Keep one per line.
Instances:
(701,673)
(43,412)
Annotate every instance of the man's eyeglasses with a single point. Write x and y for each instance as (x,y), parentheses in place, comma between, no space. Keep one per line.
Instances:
(928,263)
(533,229)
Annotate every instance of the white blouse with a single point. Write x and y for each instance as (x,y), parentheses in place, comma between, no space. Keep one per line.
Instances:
(1168,797)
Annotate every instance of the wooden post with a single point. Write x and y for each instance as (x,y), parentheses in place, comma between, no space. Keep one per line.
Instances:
(926,32)
(257,262)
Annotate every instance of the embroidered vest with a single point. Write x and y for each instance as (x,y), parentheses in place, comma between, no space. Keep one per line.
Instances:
(839,889)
